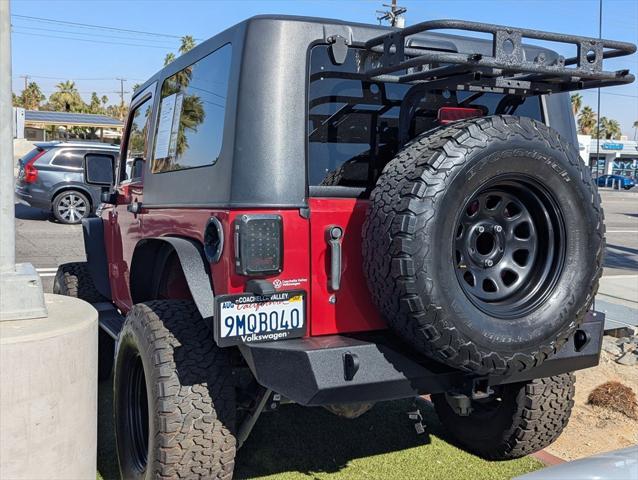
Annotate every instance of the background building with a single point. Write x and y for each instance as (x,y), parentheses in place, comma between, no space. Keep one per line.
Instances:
(609,157)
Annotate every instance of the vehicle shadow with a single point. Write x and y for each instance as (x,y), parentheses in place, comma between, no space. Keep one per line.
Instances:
(23,212)
(313,440)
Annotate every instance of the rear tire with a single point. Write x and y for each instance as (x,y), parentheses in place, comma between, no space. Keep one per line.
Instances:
(528,417)
(71,207)
(174,396)
(74,280)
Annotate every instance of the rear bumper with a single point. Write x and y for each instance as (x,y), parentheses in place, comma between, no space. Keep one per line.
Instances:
(319,371)
(35,199)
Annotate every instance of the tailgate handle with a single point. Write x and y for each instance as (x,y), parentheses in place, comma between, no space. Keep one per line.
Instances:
(335,234)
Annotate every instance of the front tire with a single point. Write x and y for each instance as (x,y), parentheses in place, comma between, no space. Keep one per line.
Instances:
(174,396)
(522,418)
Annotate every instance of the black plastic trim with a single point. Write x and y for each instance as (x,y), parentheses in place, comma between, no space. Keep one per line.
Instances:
(321,370)
(213,252)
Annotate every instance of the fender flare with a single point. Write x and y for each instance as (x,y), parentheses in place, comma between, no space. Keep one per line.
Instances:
(94,247)
(193,265)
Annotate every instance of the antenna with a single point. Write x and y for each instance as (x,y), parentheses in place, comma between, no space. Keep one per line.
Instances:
(394,16)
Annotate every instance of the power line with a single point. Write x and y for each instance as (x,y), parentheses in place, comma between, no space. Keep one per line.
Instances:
(614,94)
(75,78)
(92,34)
(166,49)
(103,27)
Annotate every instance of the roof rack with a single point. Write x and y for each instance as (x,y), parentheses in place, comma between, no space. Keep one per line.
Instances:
(506,70)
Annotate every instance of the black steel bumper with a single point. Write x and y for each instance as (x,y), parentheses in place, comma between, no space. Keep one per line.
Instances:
(343,369)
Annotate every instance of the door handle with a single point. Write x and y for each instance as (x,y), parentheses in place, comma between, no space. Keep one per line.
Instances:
(134,207)
(335,235)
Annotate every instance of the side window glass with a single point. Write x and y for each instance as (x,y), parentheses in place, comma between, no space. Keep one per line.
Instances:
(190,123)
(68,158)
(132,166)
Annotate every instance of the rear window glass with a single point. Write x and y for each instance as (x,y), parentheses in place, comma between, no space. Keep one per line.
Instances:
(29,156)
(68,158)
(191,117)
(353,123)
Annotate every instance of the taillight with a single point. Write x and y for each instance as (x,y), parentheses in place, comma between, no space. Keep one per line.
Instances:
(258,244)
(30,172)
(454,114)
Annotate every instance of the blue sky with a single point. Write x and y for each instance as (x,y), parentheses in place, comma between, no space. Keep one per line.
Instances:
(39,50)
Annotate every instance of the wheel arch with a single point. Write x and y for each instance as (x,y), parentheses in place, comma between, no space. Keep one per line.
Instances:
(70,187)
(177,258)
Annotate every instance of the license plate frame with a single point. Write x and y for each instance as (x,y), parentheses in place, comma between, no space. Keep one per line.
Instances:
(226,305)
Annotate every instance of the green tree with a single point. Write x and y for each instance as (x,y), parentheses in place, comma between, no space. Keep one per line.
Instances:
(95,105)
(188,43)
(31,97)
(577,102)
(169,58)
(609,129)
(67,98)
(586,121)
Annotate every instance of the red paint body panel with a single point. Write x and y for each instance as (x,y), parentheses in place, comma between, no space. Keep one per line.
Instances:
(305,259)
(353,310)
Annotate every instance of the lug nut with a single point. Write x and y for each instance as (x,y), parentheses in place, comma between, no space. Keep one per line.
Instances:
(498,228)
(489,263)
(481,229)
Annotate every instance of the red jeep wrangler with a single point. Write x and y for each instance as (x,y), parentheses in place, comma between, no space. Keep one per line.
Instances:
(336,214)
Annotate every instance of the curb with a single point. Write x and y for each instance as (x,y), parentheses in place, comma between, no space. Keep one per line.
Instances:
(547,458)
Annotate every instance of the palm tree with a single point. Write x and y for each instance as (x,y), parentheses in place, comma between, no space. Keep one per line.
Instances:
(577,102)
(188,42)
(169,58)
(67,98)
(586,121)
(609,129)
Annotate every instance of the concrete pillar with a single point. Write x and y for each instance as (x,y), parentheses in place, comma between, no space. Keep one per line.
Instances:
(48,393)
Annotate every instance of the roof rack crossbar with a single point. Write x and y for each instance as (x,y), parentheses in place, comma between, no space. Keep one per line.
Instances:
(507,62)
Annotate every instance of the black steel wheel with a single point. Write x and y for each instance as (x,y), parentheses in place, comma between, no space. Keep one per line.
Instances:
(484,242)
(136,410)
(509,246)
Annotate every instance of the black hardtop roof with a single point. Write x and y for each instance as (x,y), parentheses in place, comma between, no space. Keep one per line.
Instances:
(360,32)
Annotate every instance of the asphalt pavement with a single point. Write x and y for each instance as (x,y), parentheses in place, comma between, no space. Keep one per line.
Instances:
(47,244)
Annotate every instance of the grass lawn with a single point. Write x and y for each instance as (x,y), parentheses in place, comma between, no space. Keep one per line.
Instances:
(311,443)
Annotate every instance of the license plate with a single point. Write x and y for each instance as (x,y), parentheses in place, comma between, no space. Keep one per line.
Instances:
(248,318)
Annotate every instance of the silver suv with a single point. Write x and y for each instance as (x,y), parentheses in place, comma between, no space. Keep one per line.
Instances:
(51,177)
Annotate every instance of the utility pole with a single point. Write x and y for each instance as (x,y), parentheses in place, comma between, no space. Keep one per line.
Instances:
(26,80)
(122,92)
(20,286)
(394,16)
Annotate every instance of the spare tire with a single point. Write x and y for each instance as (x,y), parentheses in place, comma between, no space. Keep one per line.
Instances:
(483,245)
